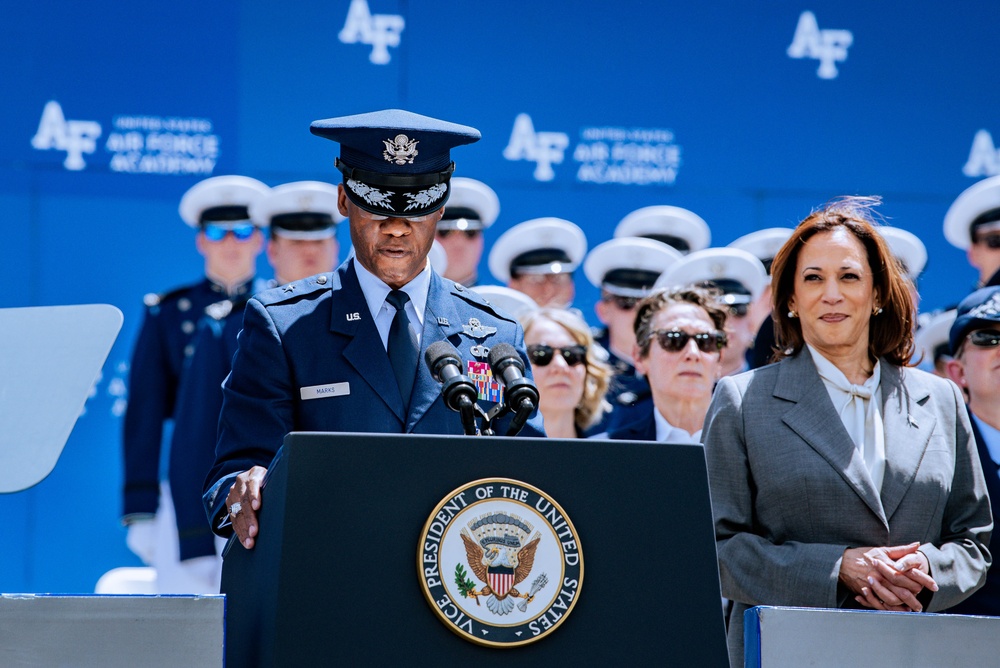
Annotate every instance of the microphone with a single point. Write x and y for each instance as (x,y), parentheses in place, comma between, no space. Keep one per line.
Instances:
(459,392)
(522,395)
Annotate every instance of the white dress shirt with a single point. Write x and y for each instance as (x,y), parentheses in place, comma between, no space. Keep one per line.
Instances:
(375,291)
(668,433)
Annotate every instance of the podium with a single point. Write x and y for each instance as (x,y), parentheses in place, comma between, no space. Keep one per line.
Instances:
(333,577)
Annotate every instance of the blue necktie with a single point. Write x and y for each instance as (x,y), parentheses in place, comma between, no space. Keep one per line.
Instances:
(402,346)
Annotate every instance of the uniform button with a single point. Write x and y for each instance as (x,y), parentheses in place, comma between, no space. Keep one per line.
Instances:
(321,280)
(459,287)
(187,327)
(188,350)
(183,304)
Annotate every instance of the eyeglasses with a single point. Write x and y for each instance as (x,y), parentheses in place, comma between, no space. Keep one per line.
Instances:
(469,234)
(542,355)
(624,303)
(675,340)
(216,233)
(985,338)
(989,240)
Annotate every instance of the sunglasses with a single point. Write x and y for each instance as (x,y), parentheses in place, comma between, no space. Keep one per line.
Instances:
(242,231)
(624,303)
(985,338)
(542,355)
(675,340)
(989,240)
(469,234)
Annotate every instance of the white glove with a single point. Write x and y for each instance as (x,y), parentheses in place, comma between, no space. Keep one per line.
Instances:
(141,539)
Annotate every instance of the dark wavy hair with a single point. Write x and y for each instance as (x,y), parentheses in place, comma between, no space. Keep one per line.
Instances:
(890,334)
(706,298)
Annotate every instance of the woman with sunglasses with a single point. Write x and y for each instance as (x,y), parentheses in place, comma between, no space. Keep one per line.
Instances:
(842,477)
(679,336)
(571,380)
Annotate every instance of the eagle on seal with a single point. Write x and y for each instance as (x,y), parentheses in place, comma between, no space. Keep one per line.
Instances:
(501,565)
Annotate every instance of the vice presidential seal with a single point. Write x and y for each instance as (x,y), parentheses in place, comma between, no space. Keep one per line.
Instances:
(500,562)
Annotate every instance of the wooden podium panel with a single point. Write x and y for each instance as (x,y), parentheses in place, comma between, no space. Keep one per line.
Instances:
(333,577)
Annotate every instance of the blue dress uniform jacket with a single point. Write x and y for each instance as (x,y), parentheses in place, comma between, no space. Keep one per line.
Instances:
(642,430)
(628,392)
(196,423)
(158,360)
(986,601)
(319,333)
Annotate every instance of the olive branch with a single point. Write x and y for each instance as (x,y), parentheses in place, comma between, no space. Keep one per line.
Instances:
(465,585)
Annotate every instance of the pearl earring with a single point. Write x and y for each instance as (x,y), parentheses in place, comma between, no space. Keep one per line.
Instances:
(877,311)
(792,314)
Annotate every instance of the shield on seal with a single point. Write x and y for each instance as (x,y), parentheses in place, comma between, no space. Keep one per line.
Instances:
(501,580)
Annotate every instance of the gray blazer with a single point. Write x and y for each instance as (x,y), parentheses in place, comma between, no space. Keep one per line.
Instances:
(790,492)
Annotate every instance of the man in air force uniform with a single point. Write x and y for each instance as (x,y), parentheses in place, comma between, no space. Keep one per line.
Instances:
(538,257)
(345,351)
(973,225)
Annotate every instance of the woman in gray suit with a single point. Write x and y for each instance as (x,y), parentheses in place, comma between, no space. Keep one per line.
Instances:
(840,476)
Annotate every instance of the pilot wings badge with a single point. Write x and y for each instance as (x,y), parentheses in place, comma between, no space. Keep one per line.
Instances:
(400,150)
(500,562)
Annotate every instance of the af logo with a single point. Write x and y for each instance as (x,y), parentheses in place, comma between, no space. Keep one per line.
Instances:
(827,46)
(984,158)
(542,148)
(500,563)
(380,31)
(74,137)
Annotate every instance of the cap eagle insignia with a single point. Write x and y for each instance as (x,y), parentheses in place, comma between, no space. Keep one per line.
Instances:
(401,150)
(500,558)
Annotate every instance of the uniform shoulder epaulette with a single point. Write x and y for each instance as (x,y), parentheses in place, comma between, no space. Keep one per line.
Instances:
(295,290)
(219,310)
(478,300)
(156,298)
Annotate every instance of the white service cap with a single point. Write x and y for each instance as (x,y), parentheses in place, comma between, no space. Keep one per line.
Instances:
(223,199)
(299,210)
(629,266)
(682,229)
(907,247)
(507,299)
(473,205)
(740,275)
(538,246)
(978,199)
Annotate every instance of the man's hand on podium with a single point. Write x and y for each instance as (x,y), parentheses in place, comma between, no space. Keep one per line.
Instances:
(243,502)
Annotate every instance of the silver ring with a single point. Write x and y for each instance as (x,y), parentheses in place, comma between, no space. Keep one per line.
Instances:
(235,509)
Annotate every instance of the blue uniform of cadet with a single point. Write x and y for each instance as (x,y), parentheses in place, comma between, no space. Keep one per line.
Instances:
(628,393)
(199,401)
(319,332)
(158,360)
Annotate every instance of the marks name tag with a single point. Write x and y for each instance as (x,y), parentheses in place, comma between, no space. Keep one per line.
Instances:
(323,391)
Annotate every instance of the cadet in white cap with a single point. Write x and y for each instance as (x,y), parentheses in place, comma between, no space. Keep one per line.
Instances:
(538,257)
(741,278)
(931,341)
(764,245)
(302,218)
(510,300)
(973,225)
(230,243)
(472,208)
(625,270)
(679,228)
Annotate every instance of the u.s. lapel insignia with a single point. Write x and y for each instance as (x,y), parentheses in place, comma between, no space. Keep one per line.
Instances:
(476,330)
(500,563)
(443,321)
(480,351)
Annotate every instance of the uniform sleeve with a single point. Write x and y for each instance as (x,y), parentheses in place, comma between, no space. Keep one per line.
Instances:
(960,560)
(257,408)
(753,570)
(192,448)
(151,391)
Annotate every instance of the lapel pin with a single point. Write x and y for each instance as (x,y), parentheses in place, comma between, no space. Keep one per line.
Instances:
(443,322)
(351,317)
(479,351)
(910,421)
(477,330)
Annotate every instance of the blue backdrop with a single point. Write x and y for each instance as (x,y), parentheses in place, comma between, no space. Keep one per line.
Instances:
(749,114)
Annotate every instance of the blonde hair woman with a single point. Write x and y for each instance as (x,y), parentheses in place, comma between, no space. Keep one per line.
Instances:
(571,380)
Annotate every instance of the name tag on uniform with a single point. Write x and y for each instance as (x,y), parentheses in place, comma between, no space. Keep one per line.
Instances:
(323,391)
